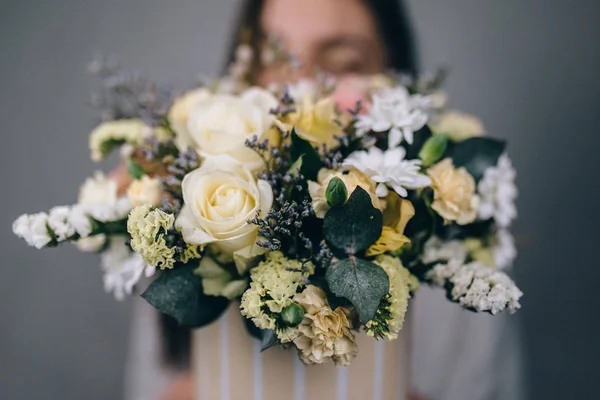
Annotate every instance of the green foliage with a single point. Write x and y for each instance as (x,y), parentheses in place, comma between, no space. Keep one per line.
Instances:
(336,192)
(311,162)
(353,227)
(349,230)
(433,149)
(135,170)
(477,154)
(178,293)
(361,282)
(420,137)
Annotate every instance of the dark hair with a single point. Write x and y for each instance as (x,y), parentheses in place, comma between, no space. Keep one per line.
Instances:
(390,17)
(394,28)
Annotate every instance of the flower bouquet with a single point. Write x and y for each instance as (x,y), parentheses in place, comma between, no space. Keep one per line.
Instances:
(316,224)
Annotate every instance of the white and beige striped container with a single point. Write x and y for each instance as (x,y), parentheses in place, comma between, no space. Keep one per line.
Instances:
(228,365)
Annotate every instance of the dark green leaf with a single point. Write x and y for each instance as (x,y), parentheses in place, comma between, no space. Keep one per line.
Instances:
(361,282)
(311,162)
(477,154)
(135,170)
(420,137)
(178,293)
(268,340)
(354,226)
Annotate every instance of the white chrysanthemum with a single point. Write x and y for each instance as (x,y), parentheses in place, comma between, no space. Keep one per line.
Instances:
(437,250)
(33,228)
(497,191)
(478,287)
(122,268)
(58,221)
(503,249)
(397,111)
(389,168)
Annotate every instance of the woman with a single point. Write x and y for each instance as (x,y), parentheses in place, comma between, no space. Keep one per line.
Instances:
(456,354)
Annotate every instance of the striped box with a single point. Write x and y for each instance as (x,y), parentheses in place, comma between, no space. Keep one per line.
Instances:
(228,365)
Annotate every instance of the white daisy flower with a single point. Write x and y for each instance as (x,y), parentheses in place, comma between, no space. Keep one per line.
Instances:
(497,191)
(397,111)
(389,168)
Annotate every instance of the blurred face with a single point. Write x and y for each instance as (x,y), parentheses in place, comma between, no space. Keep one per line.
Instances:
(338,37)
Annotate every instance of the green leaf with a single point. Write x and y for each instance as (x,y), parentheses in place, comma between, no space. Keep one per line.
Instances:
(354,226)
(361,282)
(135,170)
(178,293)
(420,137)
(311,162)
(477,154)
(268,339)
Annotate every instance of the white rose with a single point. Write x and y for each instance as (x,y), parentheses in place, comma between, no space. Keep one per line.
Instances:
(33,229)
(179,115)
(219,199)
(221,124)
(145,191)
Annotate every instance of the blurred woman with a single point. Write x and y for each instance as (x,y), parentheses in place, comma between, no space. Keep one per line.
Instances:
(457,355)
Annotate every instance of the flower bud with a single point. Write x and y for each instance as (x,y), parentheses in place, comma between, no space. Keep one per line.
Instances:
(292,315)
(336,192)
(433,149)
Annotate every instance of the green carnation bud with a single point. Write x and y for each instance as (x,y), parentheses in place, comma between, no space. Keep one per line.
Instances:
(336,193)
(292,315)
(433,149)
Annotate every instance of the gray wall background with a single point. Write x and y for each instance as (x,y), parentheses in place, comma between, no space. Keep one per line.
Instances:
(529,68)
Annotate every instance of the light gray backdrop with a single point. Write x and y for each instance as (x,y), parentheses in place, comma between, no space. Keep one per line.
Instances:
(527,67)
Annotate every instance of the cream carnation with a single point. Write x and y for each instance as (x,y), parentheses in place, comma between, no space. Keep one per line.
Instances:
(457,126)
(324,333)
(220,198)
(221,123)
(351,178)
(144,191)
(454,192)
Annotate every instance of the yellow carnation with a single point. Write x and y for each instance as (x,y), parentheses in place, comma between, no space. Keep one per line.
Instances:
(111,134)
(324,333)
(454,192)
(273,285)
(352,179)
(389,319)
(148,229)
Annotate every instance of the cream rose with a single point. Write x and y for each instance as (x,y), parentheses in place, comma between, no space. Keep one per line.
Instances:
(454,192)
(351,178)
(219,199)
(221,123)
(324,333)
(145,191)
(180,112)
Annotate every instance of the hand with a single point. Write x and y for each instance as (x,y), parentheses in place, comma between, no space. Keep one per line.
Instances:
(181,389)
